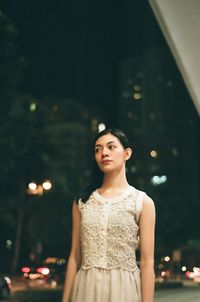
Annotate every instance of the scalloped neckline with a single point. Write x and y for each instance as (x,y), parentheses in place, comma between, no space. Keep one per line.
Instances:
(119,197)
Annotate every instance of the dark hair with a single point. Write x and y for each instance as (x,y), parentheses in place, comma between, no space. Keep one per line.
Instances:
(97,174)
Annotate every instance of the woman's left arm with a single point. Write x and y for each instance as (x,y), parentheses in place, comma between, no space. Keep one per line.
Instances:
(147,230)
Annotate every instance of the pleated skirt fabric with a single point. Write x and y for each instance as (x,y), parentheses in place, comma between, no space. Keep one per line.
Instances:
(103,285)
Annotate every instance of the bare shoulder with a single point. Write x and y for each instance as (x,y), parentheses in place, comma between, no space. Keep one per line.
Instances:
(75,204)
(148,202)
(148,213)
(148,207)
(75,208)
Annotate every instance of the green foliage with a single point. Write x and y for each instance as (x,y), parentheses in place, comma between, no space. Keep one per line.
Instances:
(12,65)
(20,137)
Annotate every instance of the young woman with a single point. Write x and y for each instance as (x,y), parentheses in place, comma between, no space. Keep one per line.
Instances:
(110,220)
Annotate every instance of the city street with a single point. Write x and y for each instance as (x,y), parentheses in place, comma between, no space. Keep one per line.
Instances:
(173,295)
(186,294)
(36,292)
(164,295)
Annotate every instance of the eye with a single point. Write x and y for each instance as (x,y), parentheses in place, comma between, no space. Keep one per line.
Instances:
(97,150)
(111,147)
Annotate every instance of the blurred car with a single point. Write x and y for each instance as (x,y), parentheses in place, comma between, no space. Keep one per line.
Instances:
(35,275)
(57,267)
(194,274)
(5,288)
(51,271)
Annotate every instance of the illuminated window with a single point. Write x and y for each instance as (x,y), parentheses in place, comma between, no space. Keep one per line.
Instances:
(133,169)
(169,83)
(175,151)
(137,87)
(32,107)
(137,96)
(154,153)
(152,116)
(101,127)
(158,180)
(94,124)
(130,114)
(55,108)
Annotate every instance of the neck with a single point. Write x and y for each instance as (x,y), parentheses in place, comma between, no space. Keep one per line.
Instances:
(115,180)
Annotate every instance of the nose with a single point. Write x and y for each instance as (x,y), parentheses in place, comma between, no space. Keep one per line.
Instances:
(104,152)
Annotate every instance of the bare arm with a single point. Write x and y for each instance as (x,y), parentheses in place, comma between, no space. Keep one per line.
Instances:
(75,255)
(147,226)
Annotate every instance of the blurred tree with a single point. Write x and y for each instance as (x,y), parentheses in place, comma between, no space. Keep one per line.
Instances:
(11,71)
(11,63)
(41,141)
(20,139)
(67,136)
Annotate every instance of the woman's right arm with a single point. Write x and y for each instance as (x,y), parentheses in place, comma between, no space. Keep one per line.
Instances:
(75,254)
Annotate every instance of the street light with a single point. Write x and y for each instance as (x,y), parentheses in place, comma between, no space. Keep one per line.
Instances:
(32,189)
(101,127)
(47,185)
(38,189)
(32,186)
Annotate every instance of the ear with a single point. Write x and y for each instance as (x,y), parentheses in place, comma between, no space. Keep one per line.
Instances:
(127,153)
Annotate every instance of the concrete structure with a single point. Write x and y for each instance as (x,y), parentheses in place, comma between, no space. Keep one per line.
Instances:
(180,23)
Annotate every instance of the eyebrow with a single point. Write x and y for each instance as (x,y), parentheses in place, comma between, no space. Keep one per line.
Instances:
(111,142)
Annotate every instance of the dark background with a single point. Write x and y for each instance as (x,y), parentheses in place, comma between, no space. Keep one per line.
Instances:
(74,48)
(81,63)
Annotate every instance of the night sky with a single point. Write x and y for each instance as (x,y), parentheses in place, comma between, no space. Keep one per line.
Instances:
(74,48)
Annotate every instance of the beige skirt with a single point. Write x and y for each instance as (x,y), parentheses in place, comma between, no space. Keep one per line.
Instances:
(103,285)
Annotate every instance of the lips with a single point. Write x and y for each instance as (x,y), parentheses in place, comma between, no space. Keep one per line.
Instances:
(106,161)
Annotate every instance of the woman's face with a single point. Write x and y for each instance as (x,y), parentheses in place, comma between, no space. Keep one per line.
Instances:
(110,155)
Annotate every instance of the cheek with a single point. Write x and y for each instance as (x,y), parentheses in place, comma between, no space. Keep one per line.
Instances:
(121,158)
(97,157)
(120,154)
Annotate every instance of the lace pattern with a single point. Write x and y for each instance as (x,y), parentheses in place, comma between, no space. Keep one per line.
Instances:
(109,231)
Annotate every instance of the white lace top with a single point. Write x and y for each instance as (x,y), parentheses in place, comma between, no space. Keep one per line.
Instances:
(109,230)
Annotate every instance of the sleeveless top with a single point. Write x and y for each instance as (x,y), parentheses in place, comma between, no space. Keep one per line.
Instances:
(109,230)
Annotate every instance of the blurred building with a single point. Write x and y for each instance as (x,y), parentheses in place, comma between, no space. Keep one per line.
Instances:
(69,130)
(159,117)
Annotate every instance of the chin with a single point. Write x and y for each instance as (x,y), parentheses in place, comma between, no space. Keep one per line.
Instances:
(106,169)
